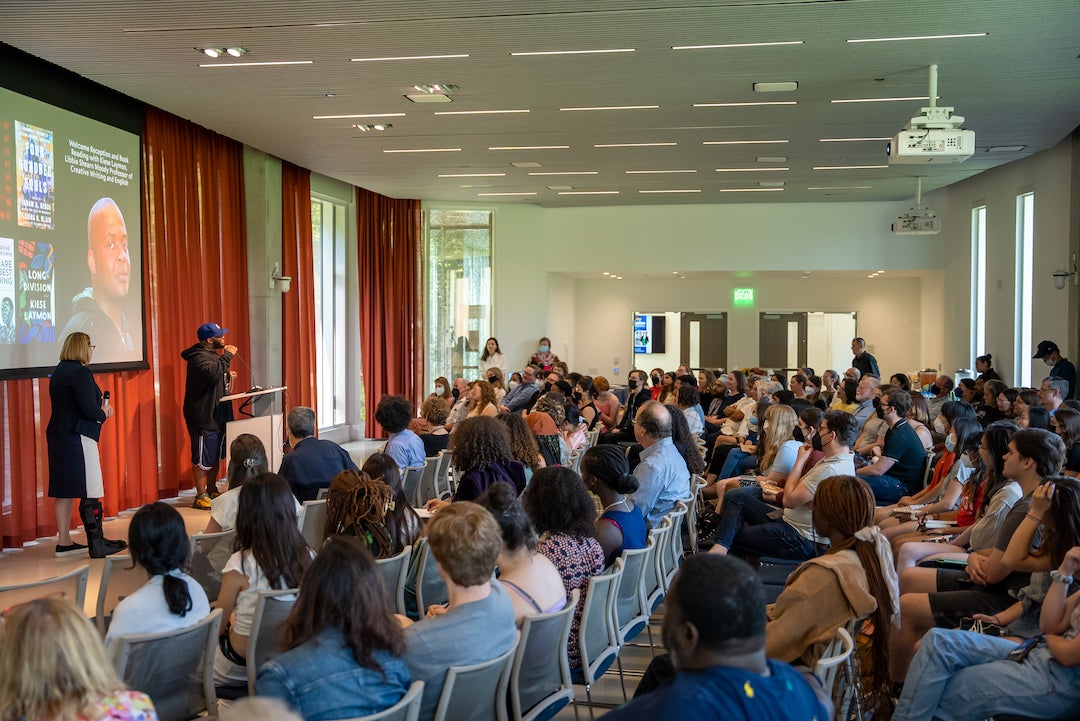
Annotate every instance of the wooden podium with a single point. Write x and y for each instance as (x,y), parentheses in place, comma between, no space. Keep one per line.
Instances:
(269,427)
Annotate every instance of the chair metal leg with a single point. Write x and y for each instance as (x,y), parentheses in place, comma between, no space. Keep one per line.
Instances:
(588,698)
(652,644)
(622,679)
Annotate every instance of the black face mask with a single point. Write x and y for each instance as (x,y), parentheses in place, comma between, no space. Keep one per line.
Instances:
(547,386)
(492,379)
(455,393)
(878,409)
(797,434)
(656,380)
(577,396)
(816,442)
(633,383)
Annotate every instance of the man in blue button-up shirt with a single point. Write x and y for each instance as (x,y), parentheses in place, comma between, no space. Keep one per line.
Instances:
(663,478)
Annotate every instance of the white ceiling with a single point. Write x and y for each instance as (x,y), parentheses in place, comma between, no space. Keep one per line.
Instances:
(1018,85)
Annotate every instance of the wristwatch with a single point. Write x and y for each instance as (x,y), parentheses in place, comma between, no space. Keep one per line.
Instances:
(1059,577)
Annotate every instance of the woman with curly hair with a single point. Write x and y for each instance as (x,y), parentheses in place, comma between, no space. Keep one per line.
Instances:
(562,512)
(401,520)
(522,443)
(434,414)
(482,401)
(482,458)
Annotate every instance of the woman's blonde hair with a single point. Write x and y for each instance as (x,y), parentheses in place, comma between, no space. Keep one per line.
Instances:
(52,662)
(782,420)
(497,372)
(76,347)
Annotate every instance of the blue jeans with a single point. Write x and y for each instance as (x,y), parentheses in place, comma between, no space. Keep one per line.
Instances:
(958,675)
(886,489)
(738,461)
(762,536)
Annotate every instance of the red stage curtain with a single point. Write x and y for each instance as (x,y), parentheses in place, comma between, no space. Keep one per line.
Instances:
(194,270)
(298,305)
(390,314)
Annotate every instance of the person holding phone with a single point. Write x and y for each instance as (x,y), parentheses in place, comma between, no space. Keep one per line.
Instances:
(78,410)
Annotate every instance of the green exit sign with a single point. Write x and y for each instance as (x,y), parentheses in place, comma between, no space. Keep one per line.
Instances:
(743,296)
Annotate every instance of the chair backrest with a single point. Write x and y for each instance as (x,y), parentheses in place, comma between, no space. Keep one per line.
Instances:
(407,709)
(598,639)
(71,584)
(209,554)
(118,581)
(696,484)
(467,692)
(674,555)
(271,610)
(430,587)
(540,682)
(427,489)
(829,666)
(312,522)
(575,460)
(653,580)
(395,571)
(442,474)
(928,469)
(593,436)
(321,495)
(631,610)
(410,483)
(175,668)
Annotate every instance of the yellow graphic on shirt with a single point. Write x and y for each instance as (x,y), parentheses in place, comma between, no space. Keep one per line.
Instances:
(748,690)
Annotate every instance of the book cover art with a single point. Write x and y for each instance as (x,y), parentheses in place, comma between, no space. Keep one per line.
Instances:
(36,293)
(7,291)
(34,176)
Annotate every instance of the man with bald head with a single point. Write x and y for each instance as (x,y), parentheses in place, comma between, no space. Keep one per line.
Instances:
(98,311)
(662,475)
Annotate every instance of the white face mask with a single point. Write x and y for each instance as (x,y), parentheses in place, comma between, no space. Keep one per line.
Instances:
(513,385)
(440,389)
(939,425)
(1048,362)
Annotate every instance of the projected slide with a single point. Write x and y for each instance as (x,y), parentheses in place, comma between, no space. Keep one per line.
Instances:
(70,244)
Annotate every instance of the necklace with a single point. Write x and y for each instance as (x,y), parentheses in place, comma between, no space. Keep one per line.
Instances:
(620,502)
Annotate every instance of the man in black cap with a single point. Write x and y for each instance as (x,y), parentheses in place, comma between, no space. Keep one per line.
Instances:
(207,376)
(1060,367)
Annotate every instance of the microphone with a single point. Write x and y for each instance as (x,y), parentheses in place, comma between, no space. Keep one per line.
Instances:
(251,374)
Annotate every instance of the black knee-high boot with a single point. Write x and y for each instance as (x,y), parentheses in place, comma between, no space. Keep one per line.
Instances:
(91,512)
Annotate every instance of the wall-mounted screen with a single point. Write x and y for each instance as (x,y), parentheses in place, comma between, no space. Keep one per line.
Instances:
(649,333)
(70,238)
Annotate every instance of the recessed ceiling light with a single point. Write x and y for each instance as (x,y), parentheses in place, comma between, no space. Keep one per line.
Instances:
(744,142)
(848,140)
(589,192)
(613,107)
(680,190)
(881,271)
(744,105)
(210,52)
(560,187)
(436,88)
(527,164)
(749,170)
(472,175)
(331,95)
(425,150)
(569,172)
(377,126)
(881,100)
(362,115)
(840,187)
(478,112)
(779,87)
(474,186)
(1005,148)
(736,45)
(606,273)
(249,65)
(529,147)
(426,98)
(576,52)
(494,194)
(918,37)
(849,167)
(749,190)
(633,145)
(871,276)
(772,158)
(657,172)
(408,57)
(770,183)
(236,51)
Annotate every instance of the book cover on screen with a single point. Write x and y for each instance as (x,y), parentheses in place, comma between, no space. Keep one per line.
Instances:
(36,286)
(7,291)
(34,176)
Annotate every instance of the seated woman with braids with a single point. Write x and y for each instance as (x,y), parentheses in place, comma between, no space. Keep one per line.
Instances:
(370,510)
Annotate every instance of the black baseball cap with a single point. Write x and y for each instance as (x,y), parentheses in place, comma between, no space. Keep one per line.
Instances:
(1045,348)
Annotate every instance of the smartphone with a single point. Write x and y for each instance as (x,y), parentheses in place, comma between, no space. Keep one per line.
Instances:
(1022,649)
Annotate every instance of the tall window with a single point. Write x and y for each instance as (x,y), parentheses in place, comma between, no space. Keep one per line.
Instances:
(1025,258)
(328,254)
(457,291)
(978,282)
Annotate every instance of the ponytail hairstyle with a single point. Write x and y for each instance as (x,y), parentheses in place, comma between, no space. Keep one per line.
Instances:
(247,459)
(845,505)
(607,464)
(158,542)
(502,501)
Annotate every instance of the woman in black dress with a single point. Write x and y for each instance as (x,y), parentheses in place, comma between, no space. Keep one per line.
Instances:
(78,410)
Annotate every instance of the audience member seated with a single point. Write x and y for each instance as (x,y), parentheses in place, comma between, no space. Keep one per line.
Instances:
(898,469)
(53,666)
(606,402)
(792,535)
(1036,417)
(853,579)
(270,555)
(685,443)
(706,385)
(478,623)
(663,477)
(482,401)
(247,459)
(585,395)
(778,449)
(637,395)
(546,434)
(900,380)
(171,599)
(401,520)
(341,645)
(552,403)
(313,462)
(523,446)
(830,384)
(562,513)
(987,411)
(943,597)
(735,428)
(367,509)
(442,391)
(963,675)
(918,416)
(606,473)
(394,413)
(967,388)
(814,392)
(521,396)
(460,409)
(689,402)
(481,458)
(873,428)
(722,407)
(845,397)
(1066,423)
(498,386)
(714,629)
(434,413)
(1006,403)
(667,388)
(1052,392)
(864,396)
(534,584)
(941,391)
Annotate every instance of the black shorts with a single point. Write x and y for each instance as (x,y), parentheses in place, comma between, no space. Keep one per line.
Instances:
(959,597)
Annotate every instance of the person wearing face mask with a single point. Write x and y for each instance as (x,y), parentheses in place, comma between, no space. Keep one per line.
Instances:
(1060,367)
(899,465)
(543,358)
(493,357)
(656,377)
(637,395)
(585,396)
(460,410)
(495,377)
(521,397)
(940,392)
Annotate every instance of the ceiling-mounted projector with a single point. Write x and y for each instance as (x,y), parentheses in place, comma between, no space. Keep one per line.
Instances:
(933,137)
(917,221)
